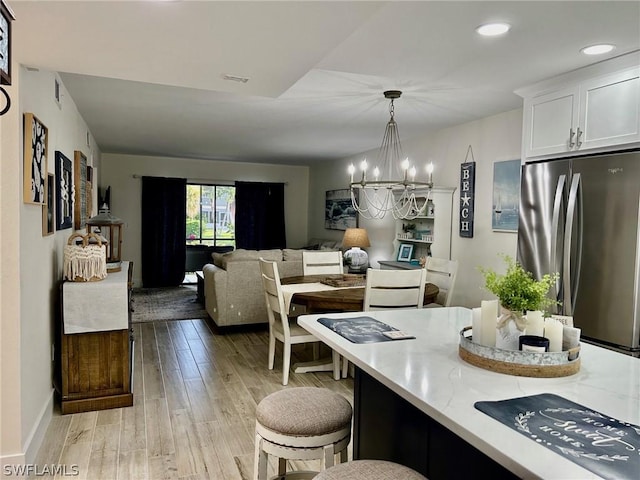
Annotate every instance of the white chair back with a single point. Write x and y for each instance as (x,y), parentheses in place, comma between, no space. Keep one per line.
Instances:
(442,272)
(321,263)
(273,295)
(394,289)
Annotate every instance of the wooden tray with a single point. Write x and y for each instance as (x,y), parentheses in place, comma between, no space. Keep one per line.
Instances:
(346,280)
(516,362)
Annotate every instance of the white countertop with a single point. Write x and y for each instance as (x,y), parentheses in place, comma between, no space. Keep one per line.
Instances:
(428,373)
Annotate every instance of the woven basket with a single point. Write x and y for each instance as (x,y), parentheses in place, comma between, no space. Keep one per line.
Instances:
(86,262)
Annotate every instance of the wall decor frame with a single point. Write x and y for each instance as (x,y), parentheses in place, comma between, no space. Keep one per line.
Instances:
(405,251)
(64,192)
(48,216)
(89,191)
(339,212)
(467,198)
(36,141)
(506,196)
(80,192)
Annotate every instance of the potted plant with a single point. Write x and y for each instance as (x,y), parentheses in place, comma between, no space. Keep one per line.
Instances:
(517,292)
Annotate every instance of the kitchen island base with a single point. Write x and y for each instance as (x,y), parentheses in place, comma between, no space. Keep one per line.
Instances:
(387,427)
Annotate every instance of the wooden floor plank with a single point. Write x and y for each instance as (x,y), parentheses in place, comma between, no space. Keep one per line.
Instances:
(195,396)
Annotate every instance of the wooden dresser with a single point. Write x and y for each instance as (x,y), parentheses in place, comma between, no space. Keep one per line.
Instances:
(94,368)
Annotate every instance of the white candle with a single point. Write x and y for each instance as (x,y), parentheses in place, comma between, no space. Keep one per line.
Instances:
(489,319)
(351,171)
(476,325)
(553,331)
(535,323)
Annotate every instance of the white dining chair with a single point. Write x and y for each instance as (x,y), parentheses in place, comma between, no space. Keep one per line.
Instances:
(321,263)
(281,328)
(394,289)
(442,273)
(388,289)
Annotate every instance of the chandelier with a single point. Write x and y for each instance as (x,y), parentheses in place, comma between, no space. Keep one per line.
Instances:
(395,192)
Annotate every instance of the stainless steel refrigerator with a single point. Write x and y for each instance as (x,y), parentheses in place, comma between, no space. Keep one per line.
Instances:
(580,217)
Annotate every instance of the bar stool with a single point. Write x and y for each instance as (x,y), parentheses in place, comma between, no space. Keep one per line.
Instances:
(369,470)
(301,423)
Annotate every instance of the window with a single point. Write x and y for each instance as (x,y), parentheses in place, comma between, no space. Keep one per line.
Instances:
(211,215)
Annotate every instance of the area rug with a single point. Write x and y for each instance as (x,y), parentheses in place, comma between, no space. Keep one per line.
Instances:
(171,303)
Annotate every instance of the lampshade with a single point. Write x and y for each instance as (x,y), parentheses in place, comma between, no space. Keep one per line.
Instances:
(355,237)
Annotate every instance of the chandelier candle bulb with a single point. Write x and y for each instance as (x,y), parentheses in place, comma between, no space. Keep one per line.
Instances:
(489,319)
(553,331)
(430,172)
(535,323)
(351,171)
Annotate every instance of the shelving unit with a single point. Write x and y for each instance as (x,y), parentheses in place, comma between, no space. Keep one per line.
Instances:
(436,225)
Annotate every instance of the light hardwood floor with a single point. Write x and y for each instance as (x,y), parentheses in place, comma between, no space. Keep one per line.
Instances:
(195,395)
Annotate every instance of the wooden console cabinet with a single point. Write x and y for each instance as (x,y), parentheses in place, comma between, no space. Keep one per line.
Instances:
(94,369)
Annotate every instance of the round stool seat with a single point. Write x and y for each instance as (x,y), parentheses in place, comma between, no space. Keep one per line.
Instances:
(369,470)
(304,412)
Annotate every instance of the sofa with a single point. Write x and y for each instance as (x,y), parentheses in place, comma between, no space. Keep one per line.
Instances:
(233,293)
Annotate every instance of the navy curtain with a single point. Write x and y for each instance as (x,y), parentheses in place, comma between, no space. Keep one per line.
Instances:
(260,215)
(164,231)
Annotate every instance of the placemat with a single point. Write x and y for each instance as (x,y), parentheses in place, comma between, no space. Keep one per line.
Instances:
(603,445)
(346,281)
(362,329)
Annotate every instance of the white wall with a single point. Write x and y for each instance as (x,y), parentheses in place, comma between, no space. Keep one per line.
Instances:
(118,172)
(493,139)
(40,259)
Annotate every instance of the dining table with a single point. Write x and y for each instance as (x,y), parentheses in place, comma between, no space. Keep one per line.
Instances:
(342,297)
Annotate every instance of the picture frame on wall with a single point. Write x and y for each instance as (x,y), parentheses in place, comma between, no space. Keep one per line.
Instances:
(506,196)
(36,141)
(48,217)
(64,192)
(80,192)
(405,252)
(339,211)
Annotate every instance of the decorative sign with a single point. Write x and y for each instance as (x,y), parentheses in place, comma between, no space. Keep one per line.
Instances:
(603,445)
(80,191)
(467,198)
(36,140)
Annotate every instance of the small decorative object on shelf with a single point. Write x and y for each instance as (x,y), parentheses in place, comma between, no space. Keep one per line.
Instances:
(85,262)
(517,292)
(110,229)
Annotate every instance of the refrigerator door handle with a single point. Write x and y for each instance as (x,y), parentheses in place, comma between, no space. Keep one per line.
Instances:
(574,205)
(555,229)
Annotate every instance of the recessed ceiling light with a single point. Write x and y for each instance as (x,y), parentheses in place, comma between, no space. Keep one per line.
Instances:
(598,49)
(493,29)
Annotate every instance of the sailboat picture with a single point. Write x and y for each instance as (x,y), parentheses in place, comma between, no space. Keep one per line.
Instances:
(506,194)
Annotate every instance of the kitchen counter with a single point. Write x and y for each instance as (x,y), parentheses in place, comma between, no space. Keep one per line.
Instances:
(427,373)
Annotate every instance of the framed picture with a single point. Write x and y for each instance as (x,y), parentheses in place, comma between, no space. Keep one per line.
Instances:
(48,220)
(339,212)
(89,194)
(80,191)
(405,252)
(36,139)
(506,195)
(64,192)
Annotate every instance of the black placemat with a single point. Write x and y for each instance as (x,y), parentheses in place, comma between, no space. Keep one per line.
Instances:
(361,329)
(606,446)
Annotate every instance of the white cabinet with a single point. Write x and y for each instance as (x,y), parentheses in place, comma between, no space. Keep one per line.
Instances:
(591,114)
(432,232)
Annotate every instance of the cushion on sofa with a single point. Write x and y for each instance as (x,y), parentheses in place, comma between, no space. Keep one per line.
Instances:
(292,255)
(242,255)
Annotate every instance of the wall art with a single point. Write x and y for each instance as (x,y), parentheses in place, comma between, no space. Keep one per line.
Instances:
(339,211)
(80,193)
(506,195)
(64,192)
(48,217)
(467,198)
(36,139)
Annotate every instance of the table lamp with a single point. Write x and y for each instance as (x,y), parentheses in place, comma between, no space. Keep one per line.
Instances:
(355,239)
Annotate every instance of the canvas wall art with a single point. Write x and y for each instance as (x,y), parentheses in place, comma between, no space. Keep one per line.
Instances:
(64,192)
(36,138)
(506,195)
(339,211)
